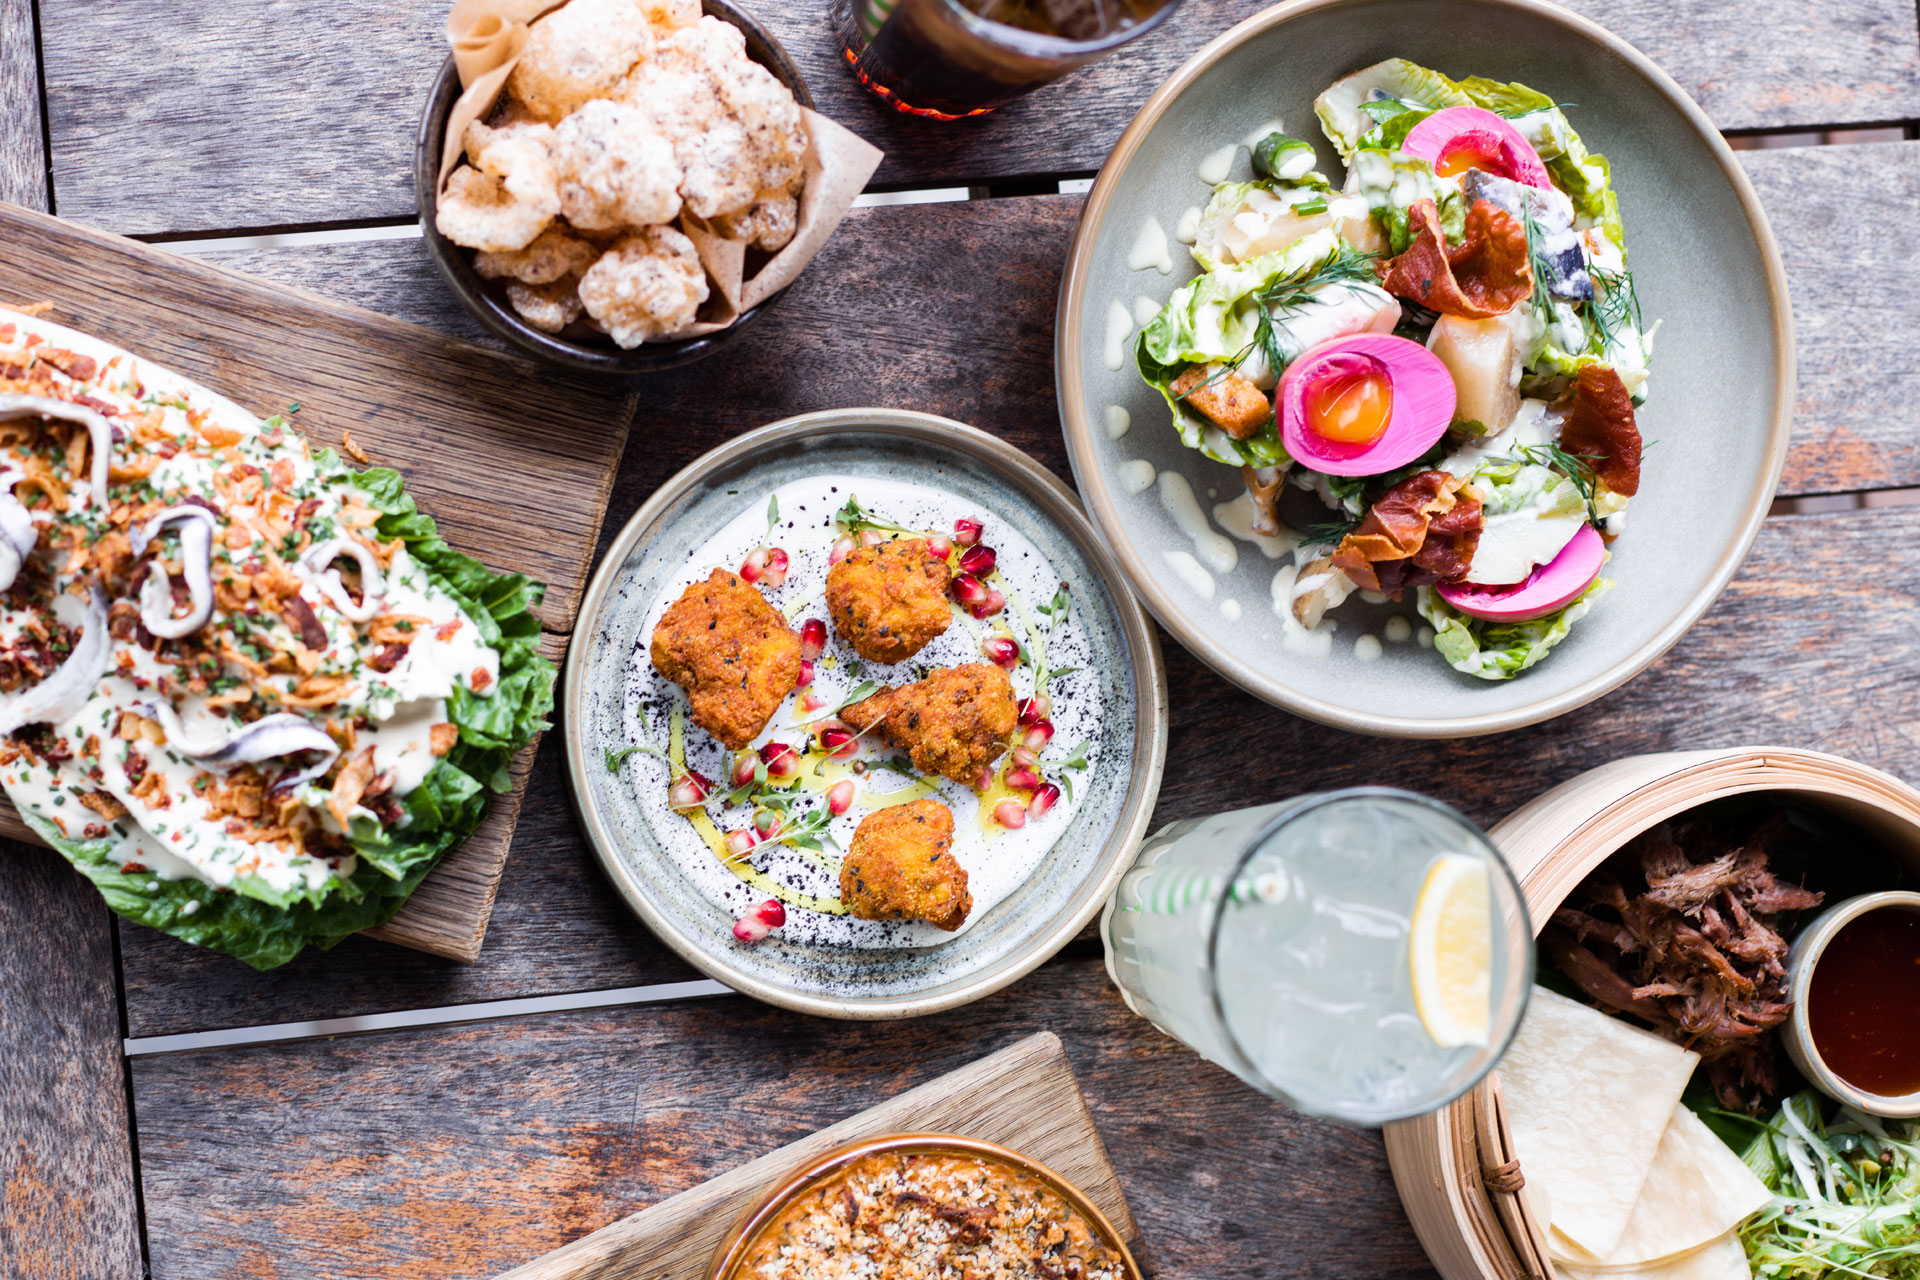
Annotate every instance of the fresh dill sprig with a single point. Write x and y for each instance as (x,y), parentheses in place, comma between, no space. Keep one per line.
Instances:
(1348,266)
(1542,268)
(1614,305)
(1577,467)
(1330,533)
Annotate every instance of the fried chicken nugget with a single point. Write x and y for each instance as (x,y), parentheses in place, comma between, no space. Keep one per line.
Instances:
(732,652)
(554,255)
(901,867)
(955,723)
(548,307)
(614,168)
(649,285)
(889,601)
(582,50)
(768,223)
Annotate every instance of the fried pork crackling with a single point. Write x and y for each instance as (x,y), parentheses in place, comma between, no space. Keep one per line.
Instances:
(732,652)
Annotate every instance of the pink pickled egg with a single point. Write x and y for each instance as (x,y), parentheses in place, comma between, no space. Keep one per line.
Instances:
(1363,404)
(1457,139)
(1552,586)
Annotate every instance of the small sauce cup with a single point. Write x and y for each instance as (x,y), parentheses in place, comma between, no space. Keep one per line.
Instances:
(1854,977)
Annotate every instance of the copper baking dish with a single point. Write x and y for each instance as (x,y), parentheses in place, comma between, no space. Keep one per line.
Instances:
(739,1241)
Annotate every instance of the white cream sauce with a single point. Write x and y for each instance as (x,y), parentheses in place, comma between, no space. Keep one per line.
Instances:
(1149,251)
(1144,310)
(1230,610)
(1236,517)
(1118,421)
(1294,638)
(1119,329)
(1367,648)
(996,864)
(1397,630)
(1190,571)
(1187,231)
(1275,125)
(1135,475)
(1216,165)
(1215,551)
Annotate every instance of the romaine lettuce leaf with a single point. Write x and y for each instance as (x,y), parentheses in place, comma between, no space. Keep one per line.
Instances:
(1500,650)
(1341,106)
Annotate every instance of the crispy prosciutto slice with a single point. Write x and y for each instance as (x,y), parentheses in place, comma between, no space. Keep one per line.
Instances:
(1600,429)
(1487,274)
(1423,530)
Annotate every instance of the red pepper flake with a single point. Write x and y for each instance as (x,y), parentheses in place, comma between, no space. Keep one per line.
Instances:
(133,868)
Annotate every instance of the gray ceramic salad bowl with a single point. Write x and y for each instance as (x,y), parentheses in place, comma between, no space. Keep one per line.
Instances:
(1706,268)
(1100,833)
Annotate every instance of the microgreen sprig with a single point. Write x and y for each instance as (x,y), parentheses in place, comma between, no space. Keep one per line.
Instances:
(855,518)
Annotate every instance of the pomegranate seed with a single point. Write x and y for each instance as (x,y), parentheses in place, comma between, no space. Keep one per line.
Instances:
(839,742)
(766,824)
(967,531)
(782,760)
(871,537)
(750,929)
(811,702)
(940,546)
(969,591)
(743,767)
(765,564)
(1023,756)
(813,638)
(1043,799)
(979,561)
(839,550)
(770,913)
(1010,813)
(1021,778)
(840,797)
(983,780)
(1038,735)
(688,792)
(1036,709)
(740,843)
(1001,652)
(805,677)
(993,604)
(749,571)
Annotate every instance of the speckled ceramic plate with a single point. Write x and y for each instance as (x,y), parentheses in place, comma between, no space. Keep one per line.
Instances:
(1704,262)
(1116,798)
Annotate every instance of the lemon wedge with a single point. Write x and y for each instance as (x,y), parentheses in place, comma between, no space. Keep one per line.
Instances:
(1450,945)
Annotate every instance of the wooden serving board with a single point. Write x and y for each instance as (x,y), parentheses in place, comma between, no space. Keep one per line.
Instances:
(1024,1097)
(513,461)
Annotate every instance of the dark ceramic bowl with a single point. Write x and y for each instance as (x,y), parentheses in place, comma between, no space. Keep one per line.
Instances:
(577,348)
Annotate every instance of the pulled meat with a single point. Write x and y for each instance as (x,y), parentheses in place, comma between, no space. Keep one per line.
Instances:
(1423,530)
(1487,274)
(1682,929)
(1600,429)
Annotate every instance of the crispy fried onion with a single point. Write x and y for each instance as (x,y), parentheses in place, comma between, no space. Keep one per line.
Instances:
(1487,274)
(1599,429)
(1425,529)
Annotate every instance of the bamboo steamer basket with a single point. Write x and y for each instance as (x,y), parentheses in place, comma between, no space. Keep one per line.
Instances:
(1455,1169)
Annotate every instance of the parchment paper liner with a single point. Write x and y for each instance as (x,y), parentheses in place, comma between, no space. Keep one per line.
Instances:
(487,37)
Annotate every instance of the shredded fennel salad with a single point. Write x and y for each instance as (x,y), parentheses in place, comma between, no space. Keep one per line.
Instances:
(247,691)
(1438,417)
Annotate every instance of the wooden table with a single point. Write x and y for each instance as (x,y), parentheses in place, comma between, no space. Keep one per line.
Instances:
(465,1136)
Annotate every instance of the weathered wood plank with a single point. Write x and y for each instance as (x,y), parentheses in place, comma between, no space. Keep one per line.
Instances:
(466,1151)
(67,1206)
(318,106)
(23,152)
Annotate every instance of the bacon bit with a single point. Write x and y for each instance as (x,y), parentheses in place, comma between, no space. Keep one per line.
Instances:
(447,630)
(354,451)
(1488,274)
(100,407)
(133,868)
(397,628)
(316,691)
(1600,430)
(104,805)
(300,617)
(350,785)
(237,538)
(220,437)
(131,470)
(281,473)
(342,732)
(355,514)
(480,679)
(1425,529)
(7,332)
(152,791)
(78,367)
(442,738)
(388,658)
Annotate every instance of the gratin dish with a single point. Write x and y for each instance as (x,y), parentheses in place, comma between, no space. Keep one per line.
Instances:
(1100,836)
(1721,419)
(1455,1169)
(486,299)
(734,1249)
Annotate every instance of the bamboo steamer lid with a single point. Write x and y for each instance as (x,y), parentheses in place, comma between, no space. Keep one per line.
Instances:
(1455,1169)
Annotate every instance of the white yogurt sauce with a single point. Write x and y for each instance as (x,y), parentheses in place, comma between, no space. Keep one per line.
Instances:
(1236,517)
(1425,636)
(1215,551)
(1216,165)
(1118,421)
(1294,638)
(1230,610)
(996,864)
(1144,310)
(1190,571)
(1187,231)
(1119,329)
(1367,648)
(1135,475)
(1397,630)
(1259,135)
(1149,252)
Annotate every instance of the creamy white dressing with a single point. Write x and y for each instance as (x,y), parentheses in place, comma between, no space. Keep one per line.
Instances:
(1119,329)
(1259,135)
(1230,609)
(1118,420)
(1294,638)
(1187,231)
(1236,517)
(1191,572)
(1144,310)
(1135,475)
(1149,252)
(1214,550)
(1398,630)
(996,861)
(1367,648)
(1217,164)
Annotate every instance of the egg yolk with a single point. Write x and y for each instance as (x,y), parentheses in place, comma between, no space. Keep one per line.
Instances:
(1351,408)
(1471,153)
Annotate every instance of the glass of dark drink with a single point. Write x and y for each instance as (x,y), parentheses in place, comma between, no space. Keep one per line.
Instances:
(949,59)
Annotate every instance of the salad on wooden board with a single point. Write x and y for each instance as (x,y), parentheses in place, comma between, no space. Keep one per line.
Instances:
(245,689)
(1446,351)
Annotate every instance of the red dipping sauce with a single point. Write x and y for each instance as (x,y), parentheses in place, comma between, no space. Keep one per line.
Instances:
(1863,1002)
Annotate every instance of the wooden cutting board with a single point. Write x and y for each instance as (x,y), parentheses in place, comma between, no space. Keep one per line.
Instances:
(1023,1097)
(514,462)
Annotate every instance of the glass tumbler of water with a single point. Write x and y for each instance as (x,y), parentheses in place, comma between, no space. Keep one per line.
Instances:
(948,59)
(1363,955)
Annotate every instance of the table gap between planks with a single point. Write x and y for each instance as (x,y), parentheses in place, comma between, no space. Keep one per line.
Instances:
(462,1150)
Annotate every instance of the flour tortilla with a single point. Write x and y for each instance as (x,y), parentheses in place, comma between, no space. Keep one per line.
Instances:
(1696,1191)
(1723,1258)
(1588,1099)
